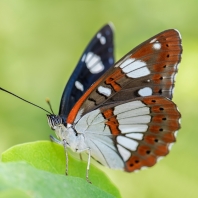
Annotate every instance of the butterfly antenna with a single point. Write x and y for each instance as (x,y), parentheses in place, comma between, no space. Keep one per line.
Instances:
(50,106)
(24,100)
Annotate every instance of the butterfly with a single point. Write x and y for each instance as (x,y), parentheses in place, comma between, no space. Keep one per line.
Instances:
(121,113)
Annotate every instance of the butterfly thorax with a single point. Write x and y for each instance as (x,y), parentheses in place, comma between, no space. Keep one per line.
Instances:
(74,140)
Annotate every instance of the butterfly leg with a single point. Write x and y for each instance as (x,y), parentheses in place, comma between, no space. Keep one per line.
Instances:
(81,159)
(66,154)
(53,139)
(88,165)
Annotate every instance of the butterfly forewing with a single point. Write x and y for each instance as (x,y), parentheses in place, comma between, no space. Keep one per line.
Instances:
(132,134)
(149,69)
(95,61)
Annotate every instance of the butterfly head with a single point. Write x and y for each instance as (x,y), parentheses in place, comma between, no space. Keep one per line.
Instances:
(54,121)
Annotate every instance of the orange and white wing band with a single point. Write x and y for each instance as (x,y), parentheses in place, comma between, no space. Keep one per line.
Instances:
(136,133)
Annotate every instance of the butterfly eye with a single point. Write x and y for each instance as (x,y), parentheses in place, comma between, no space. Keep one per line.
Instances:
(54,121)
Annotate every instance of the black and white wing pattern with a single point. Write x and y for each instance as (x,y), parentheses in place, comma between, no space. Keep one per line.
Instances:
(97,58)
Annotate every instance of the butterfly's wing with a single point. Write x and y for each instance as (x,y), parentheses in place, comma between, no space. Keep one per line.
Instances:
(127,117)
(95,61)
(149,69)
(133,134)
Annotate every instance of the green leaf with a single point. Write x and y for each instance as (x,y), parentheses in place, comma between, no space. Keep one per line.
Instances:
(21,179)
(48,156)
(12,192)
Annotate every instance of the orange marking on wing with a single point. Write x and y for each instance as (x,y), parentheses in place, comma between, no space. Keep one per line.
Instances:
(150,139)
(168,109)
(159,118)
(159,67)
(143,150)
(108,113)
(171,34)
(157,90)
(145,49)
(171,120)
(149,161)
(165,137)
(173,126)
(168,137)
(164,66)
(157,78)
(72,115)
(168,132)
(155,129)
(111,80)
(169,56)
(161,150)
(172,46)
(135,163)
(112,121)
(156,100)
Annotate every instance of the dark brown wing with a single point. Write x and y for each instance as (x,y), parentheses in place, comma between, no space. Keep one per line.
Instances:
(149,69)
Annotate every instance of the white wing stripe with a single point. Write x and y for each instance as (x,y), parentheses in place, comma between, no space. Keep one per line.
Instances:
(105,152)
(94,63)
(146,91)
(135,120)
(127,62)
(137,136)
(133,113)
(104,91)
(97,68)
(133,66)
(79,86)
(91,59)
(124,153)
(128,106)
(132,128)
(144,71)
(128,143)
(157,46)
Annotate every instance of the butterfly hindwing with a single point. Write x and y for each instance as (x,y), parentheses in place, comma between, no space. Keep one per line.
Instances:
(149,69)
(133,134)
(95,61)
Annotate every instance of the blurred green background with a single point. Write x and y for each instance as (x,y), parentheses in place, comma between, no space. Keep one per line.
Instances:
(40,44)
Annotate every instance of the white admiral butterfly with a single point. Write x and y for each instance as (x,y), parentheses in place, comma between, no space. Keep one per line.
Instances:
(121,113)
(125,120)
